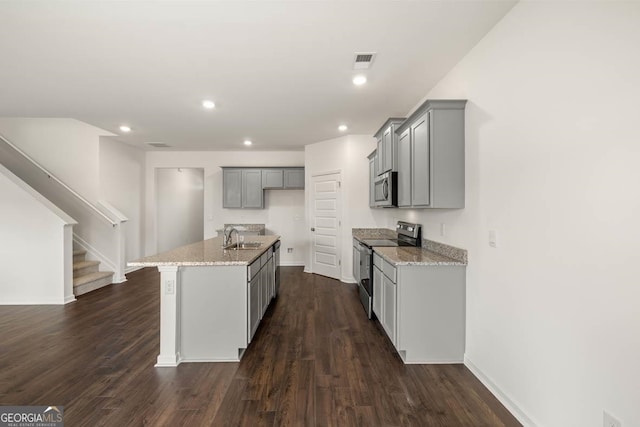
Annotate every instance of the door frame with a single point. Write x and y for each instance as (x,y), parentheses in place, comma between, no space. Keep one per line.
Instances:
(311,197)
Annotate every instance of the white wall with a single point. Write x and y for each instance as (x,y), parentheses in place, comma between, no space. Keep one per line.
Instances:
(284,209)
(347,154)
(122,174)
(180,206)
(68,148)
(552,151)
(36,250)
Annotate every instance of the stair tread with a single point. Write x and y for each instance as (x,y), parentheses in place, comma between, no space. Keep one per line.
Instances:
(82,264)
(79,252)
(81,280)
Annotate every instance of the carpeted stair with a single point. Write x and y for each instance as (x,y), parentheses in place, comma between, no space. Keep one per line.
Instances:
(86,277)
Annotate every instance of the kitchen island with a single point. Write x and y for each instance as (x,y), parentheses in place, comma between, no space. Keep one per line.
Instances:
(212,299)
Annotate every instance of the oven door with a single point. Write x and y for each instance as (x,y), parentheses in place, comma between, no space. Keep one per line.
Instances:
(385,190)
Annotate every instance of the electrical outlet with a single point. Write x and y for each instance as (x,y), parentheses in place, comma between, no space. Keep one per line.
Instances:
(493,238)
(442,228)
(170,286)
(289,250)
(609,421)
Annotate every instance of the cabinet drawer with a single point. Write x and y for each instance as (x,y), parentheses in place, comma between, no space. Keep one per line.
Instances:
(377,260)
(254,268)
(389,271)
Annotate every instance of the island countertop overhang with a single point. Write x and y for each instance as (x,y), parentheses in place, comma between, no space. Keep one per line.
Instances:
(207,253)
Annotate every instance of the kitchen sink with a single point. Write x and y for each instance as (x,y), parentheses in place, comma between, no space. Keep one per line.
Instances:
(243,246)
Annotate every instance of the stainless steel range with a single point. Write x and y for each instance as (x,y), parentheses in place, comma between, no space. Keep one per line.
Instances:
(407,235)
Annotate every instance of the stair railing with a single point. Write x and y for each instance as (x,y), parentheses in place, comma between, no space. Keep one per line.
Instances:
(117,261)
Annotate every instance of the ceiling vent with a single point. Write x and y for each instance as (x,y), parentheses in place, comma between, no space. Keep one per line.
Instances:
(363,60)
(158,144)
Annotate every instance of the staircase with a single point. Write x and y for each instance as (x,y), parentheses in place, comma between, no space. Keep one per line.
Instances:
(86,277)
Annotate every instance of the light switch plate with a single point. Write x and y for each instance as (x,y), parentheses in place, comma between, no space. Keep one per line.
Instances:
(493,238)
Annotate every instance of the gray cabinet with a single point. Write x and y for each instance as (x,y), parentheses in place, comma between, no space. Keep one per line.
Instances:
(255,303)
(422,310)
(372,179)
(252,196)
(356,261)
(387,146)
(244,187)
(404,169)
(435,175)
(294,178)
(272,178)
(232,188)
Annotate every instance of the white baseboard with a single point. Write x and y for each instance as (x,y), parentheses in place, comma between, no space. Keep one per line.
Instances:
(132,269)
(69,298)
(292,264)
(511,405)
(25,301)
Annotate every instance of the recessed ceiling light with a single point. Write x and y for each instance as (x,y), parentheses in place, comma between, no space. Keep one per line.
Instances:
(208,104)
(247,142)
(342,128)
(359,80)
(125,128)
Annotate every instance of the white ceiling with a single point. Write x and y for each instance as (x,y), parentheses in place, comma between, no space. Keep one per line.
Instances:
(279,71)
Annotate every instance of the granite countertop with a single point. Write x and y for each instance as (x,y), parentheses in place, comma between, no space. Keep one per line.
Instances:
(208,252)
(431,252)
(407,255)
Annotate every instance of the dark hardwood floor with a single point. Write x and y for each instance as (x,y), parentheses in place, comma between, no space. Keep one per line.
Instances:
(315,361)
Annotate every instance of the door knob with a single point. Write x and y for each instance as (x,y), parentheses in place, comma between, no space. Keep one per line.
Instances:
(313,229)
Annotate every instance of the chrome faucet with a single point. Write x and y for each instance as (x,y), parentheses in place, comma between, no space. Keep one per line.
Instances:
(226,238)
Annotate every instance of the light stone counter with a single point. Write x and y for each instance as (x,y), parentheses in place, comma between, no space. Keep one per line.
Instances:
(207,253)
(405,255)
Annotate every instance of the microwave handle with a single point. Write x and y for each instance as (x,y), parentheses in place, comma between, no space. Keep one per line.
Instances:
(385,189)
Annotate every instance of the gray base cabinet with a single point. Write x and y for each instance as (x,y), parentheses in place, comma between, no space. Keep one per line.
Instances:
(422,310)
(261,289)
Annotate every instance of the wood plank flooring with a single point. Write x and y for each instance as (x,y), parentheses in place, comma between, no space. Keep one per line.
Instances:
(315,361)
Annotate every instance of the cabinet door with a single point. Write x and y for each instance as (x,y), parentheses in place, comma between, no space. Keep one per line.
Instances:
(254,305)
(378,295)
(387,147)
(294,178)
(272,278)
(231,188)
(404,168)
(356,263)
(252,195)
(264,293)
(272,178)
(372,178)
(379,158)
(420,162)
(389,308)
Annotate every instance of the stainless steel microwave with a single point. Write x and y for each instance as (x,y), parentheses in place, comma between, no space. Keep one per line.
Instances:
(386,189)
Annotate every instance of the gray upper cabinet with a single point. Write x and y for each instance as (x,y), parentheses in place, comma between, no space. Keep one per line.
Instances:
(272,178)
(387,146)
(243,188)
(232,188)
(404,169)
(294,178)
(420,161)
(435,177)
(252,196)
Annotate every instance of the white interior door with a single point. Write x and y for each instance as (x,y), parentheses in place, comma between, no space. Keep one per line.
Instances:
(325,225)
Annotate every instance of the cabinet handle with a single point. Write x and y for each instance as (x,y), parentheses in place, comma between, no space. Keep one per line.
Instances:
(313,229)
